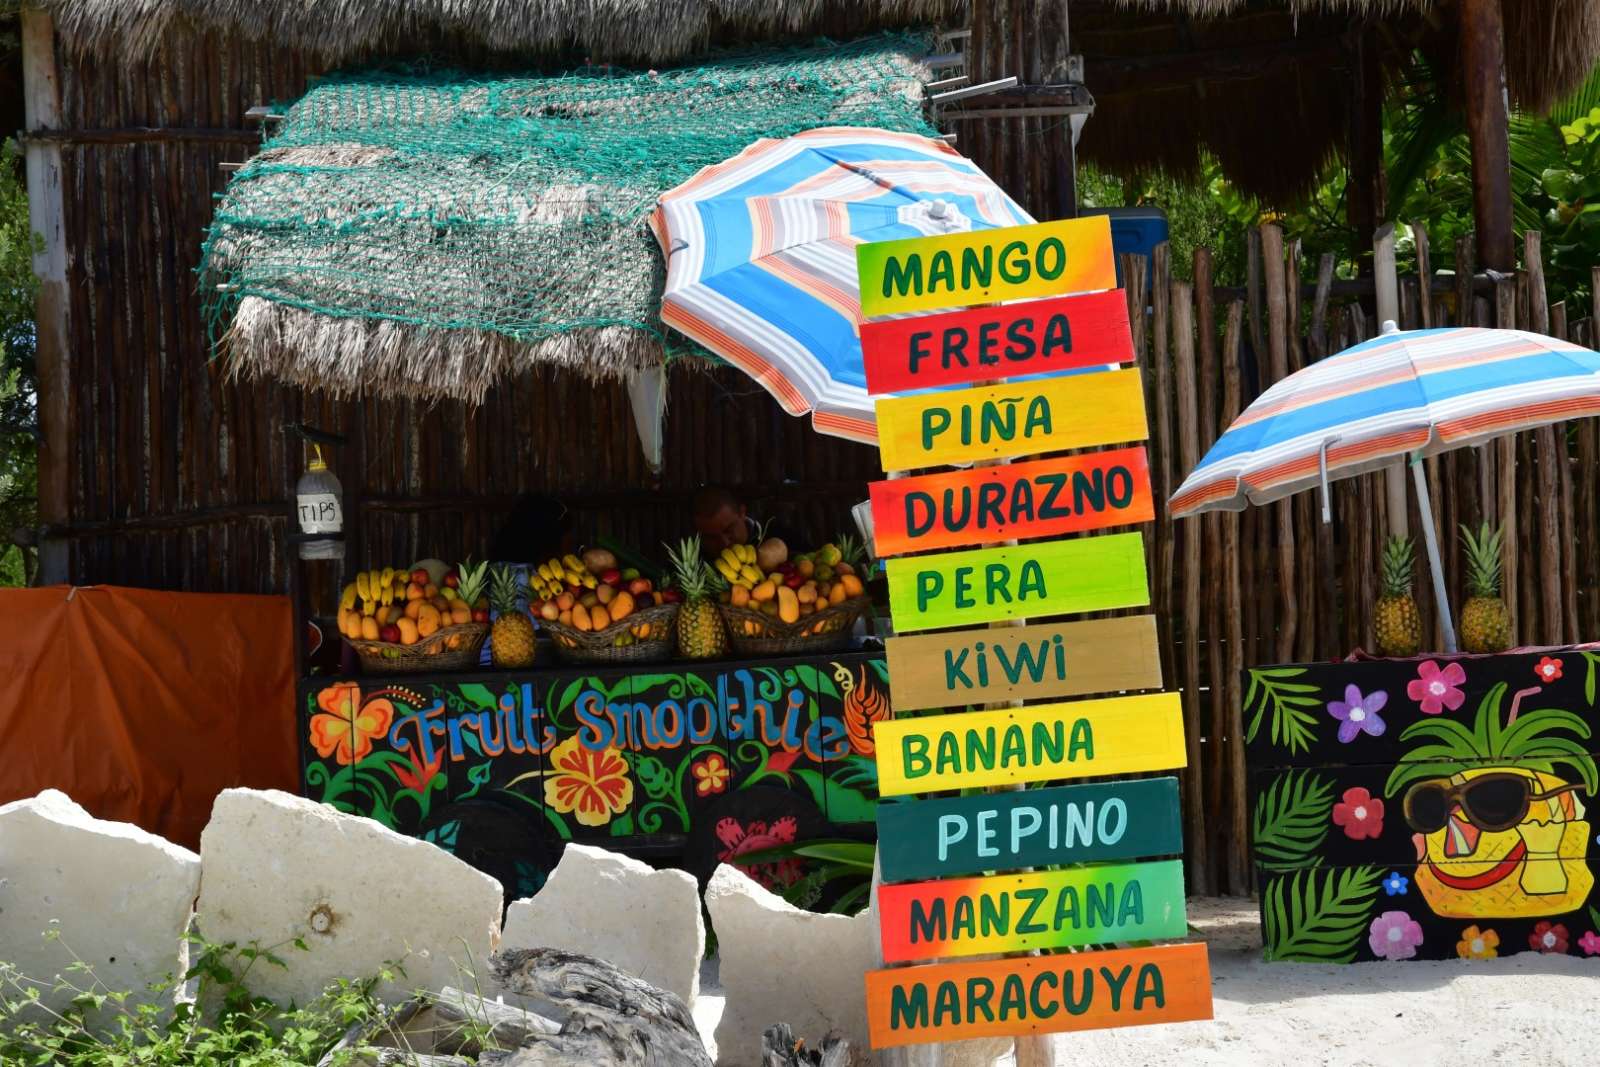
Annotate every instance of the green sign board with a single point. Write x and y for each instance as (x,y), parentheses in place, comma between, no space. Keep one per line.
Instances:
(1037,579)
(949,836)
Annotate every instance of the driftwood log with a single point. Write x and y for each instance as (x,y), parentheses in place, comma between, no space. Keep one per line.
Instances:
(780,1048)
(608,1018)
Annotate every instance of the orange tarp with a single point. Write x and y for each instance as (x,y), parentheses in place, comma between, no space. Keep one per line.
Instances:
(143,705)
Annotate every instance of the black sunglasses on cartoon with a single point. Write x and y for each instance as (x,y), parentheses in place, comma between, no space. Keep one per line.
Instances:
(1491,802)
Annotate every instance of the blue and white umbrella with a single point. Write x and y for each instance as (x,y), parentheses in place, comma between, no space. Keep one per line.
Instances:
(761,263)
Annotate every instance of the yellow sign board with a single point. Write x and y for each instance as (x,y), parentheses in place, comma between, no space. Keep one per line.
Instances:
(1024,419)
(1119,735)
(986,266)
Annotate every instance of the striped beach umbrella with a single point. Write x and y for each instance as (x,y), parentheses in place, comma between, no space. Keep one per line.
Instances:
(1415,393)
(761,263)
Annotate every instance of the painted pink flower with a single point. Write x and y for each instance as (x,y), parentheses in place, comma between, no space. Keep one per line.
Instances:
(1549,938)
(1359,813)
(1394,935)
(757,836)
(1548,669)
(1437,689)
(1590,943)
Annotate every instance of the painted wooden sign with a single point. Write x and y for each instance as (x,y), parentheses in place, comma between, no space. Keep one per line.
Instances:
(1118,735)
(949,836)
(1095,905)
(985,266)
(1003,341)
(1001,421)
(1426,809)
(988,584)
(1038,662)
(1038,995)
(1019,501)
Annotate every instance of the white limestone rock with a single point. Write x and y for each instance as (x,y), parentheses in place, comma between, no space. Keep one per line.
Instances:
(119,897)
(279,867)
(643,921)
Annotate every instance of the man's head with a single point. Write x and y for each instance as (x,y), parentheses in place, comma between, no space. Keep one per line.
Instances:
(720,518)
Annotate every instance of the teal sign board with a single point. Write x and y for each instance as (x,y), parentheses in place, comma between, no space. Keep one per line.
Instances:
(1032,828)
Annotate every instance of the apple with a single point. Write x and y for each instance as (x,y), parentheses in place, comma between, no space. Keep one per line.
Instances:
(611,576)
(795,581)
(451,581)
(390,633)
(630,573)
(639,586)
(671,596)
(549,610)
(605,593)
(421,576)
(480,614)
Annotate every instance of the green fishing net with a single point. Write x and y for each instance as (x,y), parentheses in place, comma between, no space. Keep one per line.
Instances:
(462,216)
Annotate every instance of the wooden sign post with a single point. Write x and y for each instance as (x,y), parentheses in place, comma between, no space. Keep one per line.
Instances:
(967,875)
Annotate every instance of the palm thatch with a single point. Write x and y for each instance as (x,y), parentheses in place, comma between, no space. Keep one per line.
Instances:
(429,233)
(336,30)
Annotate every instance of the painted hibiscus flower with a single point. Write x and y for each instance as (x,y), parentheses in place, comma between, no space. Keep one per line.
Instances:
(1548,669)
(1476,944)
(1590,943)
(592,785)
(1358,714)
(1549,938)
(1359,813)
(710,775)
(755,836)
(1437,689)
(1394,935)
(345,728)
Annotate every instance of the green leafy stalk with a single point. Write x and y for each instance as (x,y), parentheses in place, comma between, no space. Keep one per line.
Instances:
(1291,703)
(1316,916)
(1291,821)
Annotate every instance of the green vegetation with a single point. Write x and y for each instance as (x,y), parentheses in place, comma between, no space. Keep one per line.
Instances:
(1291,821)
(1316,916)
(18,381)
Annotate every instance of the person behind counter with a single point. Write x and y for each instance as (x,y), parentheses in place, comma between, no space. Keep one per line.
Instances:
(722,518)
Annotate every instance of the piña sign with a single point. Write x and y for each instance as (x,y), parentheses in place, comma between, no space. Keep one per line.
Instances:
(934,905)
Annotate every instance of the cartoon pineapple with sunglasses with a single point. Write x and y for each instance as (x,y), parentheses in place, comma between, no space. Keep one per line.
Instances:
(1500,831)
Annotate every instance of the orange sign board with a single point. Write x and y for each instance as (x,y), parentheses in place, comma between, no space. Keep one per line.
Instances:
(1038,995)
(1041,498)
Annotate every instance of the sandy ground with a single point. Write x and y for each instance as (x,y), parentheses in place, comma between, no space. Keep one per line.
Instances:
(1527,1009)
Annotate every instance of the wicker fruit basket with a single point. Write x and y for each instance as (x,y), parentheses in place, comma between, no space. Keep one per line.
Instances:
(755,633)
(453,648)
(649,635)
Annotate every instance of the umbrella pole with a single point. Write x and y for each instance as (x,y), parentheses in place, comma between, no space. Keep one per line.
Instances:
(1420,478)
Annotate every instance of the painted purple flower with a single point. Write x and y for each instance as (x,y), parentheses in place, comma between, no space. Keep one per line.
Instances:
(1394,935)
(1358,714)
(1437,689)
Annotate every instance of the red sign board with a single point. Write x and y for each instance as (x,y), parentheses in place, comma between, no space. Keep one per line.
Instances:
(1040,498)
(1003,341)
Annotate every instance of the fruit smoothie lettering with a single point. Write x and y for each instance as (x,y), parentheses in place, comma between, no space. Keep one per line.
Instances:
(515,725)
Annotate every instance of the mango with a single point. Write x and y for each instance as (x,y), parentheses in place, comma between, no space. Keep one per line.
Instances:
(580,618)
(788,604)
(621,605)
(599,618)
(764,591)
(852,585)
(739,596)
(408,631)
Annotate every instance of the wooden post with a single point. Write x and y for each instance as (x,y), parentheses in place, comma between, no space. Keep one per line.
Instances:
(1484,82)
(1386,286)
(1194,814)
(1231,732)
(1366,199)
(1278,369)
(41,89)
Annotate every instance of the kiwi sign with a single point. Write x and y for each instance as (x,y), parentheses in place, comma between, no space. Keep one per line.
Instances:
(1007,380)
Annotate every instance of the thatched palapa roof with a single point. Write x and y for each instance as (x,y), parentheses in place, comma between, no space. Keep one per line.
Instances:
(430,233)
(601,30)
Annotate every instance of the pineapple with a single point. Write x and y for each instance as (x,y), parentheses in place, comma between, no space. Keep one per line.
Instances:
(701,634)
(474,580)
(511,640)
(1485,620)
(1396,623)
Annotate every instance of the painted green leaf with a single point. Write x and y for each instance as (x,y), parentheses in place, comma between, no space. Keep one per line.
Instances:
(654,776)
(841,803)
(479,694)
(444,835)
(1292,704)
(1291,821)
(1318,916)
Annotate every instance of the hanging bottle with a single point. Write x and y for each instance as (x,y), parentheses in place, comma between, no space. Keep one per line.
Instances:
(318,497)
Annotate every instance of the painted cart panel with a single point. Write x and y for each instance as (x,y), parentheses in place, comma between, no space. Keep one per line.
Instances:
(688,765)
(1425,809)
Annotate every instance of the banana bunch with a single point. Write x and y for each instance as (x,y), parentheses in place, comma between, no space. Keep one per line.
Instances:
(556,576)
(737,565)
(375,589)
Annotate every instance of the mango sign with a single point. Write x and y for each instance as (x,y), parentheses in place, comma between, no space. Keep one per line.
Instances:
(986,343)
(996,422)
(985,266)
(990,584)
(1045,660)
(1039,910)
(945,836)
(1013,746)
(1038,995)
(1043,498)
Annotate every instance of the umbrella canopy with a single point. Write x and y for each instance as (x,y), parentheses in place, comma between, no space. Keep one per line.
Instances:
(1420,392)
(761,263)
